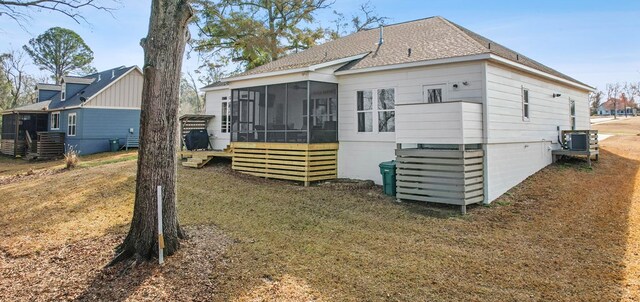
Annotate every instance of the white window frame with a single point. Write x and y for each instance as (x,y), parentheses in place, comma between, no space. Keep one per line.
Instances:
(572,114)
(63,92)
(526,103)
(55,116)
(375,111)
(225,125)
(75,124)
(371,110)
(442,86)
(378,110)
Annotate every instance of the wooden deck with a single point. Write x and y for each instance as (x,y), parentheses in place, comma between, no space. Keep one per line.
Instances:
(594,149)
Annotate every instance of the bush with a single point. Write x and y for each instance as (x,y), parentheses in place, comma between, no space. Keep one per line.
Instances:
(71,157)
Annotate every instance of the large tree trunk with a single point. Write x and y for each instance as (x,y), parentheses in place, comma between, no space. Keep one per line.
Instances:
(157,158)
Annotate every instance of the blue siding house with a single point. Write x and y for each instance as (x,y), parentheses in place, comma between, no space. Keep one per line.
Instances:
(94,109)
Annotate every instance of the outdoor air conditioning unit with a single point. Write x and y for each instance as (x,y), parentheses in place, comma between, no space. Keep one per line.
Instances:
(579,142)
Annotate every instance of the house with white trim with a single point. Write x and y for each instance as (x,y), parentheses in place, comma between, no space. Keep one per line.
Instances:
(464,117)
(89,110)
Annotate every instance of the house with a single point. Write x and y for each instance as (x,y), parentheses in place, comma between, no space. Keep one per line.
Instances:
(464,117)
(88,111)
(619,107)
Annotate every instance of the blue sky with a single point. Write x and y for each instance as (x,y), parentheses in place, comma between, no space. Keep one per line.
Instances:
(594,41)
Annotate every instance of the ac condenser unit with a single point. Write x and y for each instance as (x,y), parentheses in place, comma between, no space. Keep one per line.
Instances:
(579,142)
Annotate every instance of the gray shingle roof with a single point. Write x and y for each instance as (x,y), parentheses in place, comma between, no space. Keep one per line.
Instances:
(216,84)
(92,89)
(40,106)
(429,39)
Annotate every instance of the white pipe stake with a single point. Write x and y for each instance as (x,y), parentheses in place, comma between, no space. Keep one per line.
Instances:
(160,235)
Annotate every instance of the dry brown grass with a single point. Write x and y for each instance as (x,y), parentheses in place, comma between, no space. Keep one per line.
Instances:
(10,167)
(568,233)
(629,126)
(71,157)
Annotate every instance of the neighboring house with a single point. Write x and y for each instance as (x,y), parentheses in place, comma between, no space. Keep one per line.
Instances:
(618,107)
(465,117)
(89,111)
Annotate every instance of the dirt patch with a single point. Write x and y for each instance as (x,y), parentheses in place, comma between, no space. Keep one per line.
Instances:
(74,272)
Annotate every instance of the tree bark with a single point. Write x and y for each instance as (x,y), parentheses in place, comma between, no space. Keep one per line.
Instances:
(157,158)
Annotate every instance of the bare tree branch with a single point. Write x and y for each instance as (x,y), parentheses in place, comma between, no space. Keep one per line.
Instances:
(21,10)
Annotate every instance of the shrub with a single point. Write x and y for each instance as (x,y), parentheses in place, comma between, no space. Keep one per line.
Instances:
(71,157)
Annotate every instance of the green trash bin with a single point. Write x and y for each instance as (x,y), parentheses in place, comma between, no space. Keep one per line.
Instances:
(388,171)
(114,144)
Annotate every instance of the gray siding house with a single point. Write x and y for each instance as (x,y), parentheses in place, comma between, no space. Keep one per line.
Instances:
(90,110)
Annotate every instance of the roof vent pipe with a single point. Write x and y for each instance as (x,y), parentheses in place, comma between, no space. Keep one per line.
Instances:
(113,74)
(381,41)
(98,77)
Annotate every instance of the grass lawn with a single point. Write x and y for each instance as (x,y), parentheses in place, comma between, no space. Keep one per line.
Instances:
(568,233)
(627,126)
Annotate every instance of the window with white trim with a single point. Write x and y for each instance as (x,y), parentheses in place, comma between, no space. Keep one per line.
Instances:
(433,93)
(55,121)
(386,110)
(364,109)
(71,124)
(375,110)
(525,104)
(572,113)
(63,92)
(224,117)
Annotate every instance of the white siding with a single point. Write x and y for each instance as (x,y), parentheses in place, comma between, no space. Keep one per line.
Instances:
(213,106)
(360,153)
(504,107)
(517,148)
(124,93)
(510,164)
(439,123)
(408,89)
(359,160)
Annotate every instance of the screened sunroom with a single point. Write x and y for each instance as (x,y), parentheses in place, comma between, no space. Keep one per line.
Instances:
(286,131)
(300,112)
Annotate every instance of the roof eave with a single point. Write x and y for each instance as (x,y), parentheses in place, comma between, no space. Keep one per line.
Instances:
(221,87)
(468,58)
(296,70)
(528,69)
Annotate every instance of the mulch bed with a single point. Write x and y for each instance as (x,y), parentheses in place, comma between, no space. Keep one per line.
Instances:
(76,272)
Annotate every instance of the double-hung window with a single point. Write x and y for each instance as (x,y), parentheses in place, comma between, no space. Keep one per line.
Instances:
(572,114)
(55,121)
(525,104)
(364,108)
(71,125)
(386,110)
(225,120)
(375,110)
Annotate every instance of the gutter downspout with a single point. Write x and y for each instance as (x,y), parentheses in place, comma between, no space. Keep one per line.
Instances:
(485,131)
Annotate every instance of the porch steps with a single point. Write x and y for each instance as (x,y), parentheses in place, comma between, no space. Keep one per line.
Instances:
(198,159)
